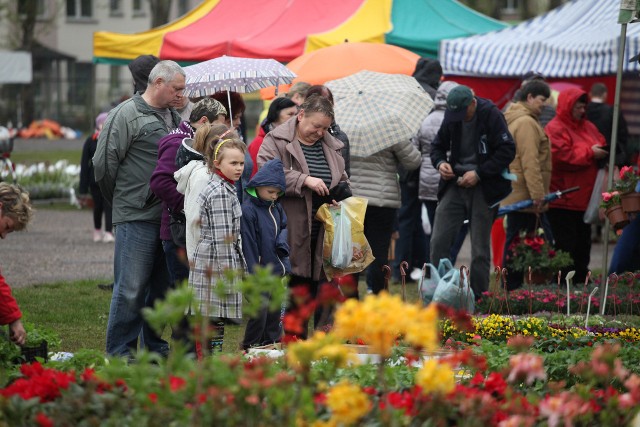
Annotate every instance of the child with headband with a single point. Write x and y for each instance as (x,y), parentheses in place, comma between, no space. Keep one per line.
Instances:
(219,247)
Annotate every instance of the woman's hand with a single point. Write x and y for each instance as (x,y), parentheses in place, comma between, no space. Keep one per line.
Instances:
(17,334)
(317,185)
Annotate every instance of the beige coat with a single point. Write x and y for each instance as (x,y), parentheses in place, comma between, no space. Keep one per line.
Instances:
(532,164)
(282,143)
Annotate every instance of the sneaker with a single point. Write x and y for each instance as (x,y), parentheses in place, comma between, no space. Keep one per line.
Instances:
(97,235)
(416,274)
(108,237)
(106,286)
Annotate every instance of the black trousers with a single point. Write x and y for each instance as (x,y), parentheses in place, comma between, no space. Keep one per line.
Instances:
(378,227)
(100,206)
(264,328)
(574,236)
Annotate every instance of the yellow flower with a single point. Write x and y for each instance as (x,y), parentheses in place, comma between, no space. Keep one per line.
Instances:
(348,403)
(301,354)
(435,377)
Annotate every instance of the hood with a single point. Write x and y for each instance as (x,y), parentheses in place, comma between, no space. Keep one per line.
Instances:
(270,174)
(517,110)
(428,73)
(183,174)
(442,93)
(186,153)
(566,101)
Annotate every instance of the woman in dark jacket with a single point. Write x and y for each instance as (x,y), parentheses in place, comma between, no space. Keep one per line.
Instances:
(88,185)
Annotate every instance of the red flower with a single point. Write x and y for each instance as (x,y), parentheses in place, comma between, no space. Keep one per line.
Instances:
(176,383)
(43,420)
(153,397)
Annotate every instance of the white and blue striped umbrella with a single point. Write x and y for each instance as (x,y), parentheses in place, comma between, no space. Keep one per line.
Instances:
(579,39)
(234,74)
(378,110)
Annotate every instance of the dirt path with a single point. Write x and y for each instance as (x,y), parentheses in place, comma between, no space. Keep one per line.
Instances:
(58,246)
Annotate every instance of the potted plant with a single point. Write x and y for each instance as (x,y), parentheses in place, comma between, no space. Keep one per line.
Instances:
(612,205)
(533,250)
(630,199)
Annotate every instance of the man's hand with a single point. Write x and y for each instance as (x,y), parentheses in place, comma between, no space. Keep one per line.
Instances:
(17,334)
(538,205)
(468,180)
(445,171)
(598,152)
(317,185)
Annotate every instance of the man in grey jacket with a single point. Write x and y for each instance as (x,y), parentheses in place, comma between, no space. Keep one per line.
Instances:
(126,155)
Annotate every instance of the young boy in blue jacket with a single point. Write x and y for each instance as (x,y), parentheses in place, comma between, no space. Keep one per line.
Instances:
(264,242)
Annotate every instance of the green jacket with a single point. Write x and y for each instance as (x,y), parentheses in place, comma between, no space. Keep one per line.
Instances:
(126,155)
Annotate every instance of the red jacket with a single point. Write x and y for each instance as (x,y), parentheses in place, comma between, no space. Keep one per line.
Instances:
(9,311)
(253,149)
(573,163)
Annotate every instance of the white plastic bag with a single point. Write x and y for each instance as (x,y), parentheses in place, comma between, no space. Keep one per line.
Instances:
(591,215)
(342,247)
(427,286)
(455,292)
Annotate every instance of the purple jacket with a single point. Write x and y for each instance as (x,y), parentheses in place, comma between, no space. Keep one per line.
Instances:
(162,182)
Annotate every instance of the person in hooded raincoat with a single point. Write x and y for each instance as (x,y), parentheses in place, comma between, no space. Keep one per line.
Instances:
(576,146)
(264,242)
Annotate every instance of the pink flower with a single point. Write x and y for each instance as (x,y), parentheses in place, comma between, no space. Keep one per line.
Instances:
(606,197)
(526,368)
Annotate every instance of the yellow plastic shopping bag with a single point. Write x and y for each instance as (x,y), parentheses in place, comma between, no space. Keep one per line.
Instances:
(343,252)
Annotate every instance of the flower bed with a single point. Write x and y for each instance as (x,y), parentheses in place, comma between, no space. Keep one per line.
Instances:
(318,381)
(622,298)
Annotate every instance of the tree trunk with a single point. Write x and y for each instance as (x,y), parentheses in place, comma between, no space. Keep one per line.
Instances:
(28,24)
(159,12)
(555,3)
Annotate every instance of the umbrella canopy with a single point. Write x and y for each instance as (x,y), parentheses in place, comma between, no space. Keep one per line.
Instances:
(523,204)
(378,110)
(234,74)
(342,60)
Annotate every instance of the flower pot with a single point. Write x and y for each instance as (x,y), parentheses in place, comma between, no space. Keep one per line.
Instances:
(538,277)
(630,202)
(617,217)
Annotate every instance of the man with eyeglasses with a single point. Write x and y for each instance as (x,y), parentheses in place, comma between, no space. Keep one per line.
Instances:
(126,155)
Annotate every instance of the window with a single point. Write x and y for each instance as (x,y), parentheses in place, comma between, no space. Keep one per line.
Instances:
(137,6)
(510,6)
(79,9)
(114,77)
(183,7)
(41,8)
(115,7)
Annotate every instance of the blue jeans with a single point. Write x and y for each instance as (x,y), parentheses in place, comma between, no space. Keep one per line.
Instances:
(626,254)
(178,270)
(140,277)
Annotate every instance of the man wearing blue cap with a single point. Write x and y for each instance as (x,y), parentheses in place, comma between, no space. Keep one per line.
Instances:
(472,152)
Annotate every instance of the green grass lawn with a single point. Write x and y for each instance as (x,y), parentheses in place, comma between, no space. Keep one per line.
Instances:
(78,313)
(31,157)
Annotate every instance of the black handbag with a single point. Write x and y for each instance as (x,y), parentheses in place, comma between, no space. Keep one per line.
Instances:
(337,193)
(178,228)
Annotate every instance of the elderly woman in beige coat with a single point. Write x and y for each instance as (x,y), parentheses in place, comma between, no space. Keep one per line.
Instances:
(315,174)
(532,167)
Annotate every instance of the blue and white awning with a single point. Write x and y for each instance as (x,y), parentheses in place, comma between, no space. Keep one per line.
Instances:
(579,39)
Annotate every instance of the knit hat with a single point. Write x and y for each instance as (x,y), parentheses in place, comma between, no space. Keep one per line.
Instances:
(102,117)
(208,107)
(140,69)
(459,98)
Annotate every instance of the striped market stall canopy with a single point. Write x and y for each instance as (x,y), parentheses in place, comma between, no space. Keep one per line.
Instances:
(285,29)
(579,39)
